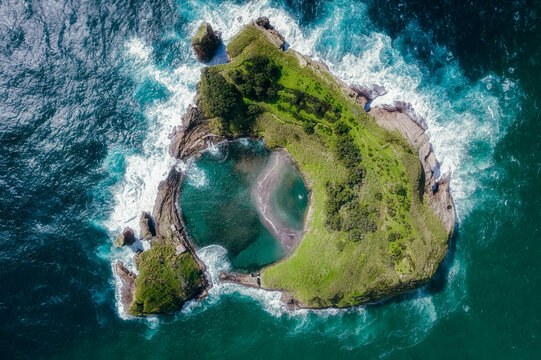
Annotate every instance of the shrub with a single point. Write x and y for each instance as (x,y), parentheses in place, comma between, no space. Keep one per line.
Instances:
(247,90)
(254,110)
(345,148)
(237,76)
(393,236)
(341,128)
(308,127)
(356,175)
(340,245)
(355,235)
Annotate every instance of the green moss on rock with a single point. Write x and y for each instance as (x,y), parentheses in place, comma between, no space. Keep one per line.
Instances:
(205,42)
(166,280)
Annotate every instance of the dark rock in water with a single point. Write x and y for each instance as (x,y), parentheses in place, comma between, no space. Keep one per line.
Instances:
(264,22)
(127,291)
(127,237)
(146,223)
(206,42)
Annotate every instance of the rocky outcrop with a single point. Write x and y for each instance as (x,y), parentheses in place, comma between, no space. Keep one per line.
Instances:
(393,118)
(206,42)
(194,135)
(126,237)
(274,36)
(253,280)
(165,228)
(136,258)
(128,288)
(147,227)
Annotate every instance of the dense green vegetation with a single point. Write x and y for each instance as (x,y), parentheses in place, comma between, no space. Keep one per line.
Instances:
(257,79)
(166,279)
(370,231)
(223,102)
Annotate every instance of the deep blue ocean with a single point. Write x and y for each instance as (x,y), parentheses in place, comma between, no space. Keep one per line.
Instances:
(90,91)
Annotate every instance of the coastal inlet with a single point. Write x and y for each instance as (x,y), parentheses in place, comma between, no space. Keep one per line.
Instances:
(246,198)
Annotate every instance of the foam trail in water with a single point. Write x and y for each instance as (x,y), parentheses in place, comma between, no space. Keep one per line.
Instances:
(457,114)
(144,171)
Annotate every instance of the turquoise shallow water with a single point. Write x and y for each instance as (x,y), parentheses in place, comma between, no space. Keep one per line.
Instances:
(218,206)
(90,91)
(290,198)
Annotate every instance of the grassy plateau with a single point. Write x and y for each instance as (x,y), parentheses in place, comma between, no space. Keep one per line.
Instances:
(370,232)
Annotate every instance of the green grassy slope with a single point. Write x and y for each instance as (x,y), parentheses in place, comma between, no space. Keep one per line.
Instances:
(405,241)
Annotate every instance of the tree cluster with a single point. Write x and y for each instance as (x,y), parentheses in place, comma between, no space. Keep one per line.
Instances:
(257,78)
(313,105)
(348,153)
(343,210)
(224,101)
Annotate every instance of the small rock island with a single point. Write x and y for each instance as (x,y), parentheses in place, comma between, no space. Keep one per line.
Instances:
(378,221)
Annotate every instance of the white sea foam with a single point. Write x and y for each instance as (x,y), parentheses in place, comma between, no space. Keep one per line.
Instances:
(216,260)
(196,177)
(144,171)
(454,119)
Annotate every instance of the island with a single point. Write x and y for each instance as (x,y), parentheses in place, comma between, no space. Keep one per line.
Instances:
(379,219)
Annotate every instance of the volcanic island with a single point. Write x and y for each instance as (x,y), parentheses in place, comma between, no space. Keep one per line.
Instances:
(378,220)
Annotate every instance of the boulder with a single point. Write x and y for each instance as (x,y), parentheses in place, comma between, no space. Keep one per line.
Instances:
(146,224)
(264,22)
(126,237)
(206,42)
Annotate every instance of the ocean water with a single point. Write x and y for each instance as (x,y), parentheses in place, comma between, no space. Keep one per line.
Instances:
(90,91)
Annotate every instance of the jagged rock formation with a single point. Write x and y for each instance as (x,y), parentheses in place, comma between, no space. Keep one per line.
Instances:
(206,42)
(146,224)
(274,36)
(395,118)
(169,233)
(194,136)
(370,92)
(126,237)
(436,188)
